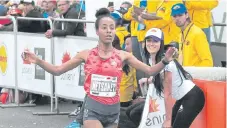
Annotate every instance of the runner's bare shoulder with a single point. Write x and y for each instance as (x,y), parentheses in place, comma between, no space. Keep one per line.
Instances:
(124,55)
(83,54)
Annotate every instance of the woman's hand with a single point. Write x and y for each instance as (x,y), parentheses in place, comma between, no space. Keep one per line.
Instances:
(29,57)
(170,53)
(145,80)
(142,81)
(167,124)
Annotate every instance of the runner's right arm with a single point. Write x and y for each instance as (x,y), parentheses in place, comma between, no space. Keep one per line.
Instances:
(57,70)
(69,65)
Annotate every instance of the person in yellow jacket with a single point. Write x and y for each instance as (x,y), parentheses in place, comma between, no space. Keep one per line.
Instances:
(121,31)
(200,13)
(128,83)
(163,21)
(194,48)
(136,47)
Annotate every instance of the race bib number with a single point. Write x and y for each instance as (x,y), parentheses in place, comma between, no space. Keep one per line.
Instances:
(103,86)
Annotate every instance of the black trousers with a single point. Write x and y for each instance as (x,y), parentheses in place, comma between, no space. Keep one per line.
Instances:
(135,111)
(192,103)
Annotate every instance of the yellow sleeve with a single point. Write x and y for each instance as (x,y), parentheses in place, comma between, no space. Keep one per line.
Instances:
(155,23)
(201,5)
(128,15)
(134,79)
(203,50)
(165,15)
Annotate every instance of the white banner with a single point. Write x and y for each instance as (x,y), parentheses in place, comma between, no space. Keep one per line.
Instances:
(70,84)
(7,57)
(154,110)
(31,77)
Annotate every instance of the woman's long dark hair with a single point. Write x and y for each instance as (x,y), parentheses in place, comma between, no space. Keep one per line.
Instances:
(181,70)
(156,79)
(126,67)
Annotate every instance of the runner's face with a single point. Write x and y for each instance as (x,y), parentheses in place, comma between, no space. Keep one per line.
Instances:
(152,46)
(106,30)
(180,20)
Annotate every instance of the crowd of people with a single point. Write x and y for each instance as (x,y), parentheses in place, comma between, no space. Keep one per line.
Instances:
(140,43)
(47,9)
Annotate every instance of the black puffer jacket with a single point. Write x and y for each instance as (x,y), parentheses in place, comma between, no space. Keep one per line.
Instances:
(70,28)
(31,26)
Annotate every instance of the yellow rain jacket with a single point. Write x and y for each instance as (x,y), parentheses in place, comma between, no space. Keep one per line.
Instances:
(128,85)
(166,24)
(128,16)
(121,33)
(200,11)
(194,48)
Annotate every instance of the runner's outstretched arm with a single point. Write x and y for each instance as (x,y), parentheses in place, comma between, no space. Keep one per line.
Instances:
(56,70)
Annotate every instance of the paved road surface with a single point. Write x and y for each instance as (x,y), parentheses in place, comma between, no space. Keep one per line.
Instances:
(22,117)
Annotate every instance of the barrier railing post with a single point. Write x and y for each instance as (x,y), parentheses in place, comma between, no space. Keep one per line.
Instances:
(15,40)
(52,87)
(52,50)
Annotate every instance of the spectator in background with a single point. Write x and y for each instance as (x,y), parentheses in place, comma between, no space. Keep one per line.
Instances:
(126,5)
(43,5)
(27,25)
(79,5)
(110,6)
(5,3)
(124,9)
(128,85)
(3,12)
(194,48)
(121,32)
(13,12)
(160,17)
(49,11)
(200,13)
(67,28)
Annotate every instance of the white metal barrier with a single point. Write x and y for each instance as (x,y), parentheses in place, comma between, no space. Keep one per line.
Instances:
(32,78)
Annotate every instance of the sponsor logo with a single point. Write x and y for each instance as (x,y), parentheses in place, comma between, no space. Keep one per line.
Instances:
(68,76)
(154,117)
(176,7)
(153,106)
(66,57)
(3,59)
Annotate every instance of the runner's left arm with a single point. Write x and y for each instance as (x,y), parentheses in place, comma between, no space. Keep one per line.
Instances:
(153,70)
